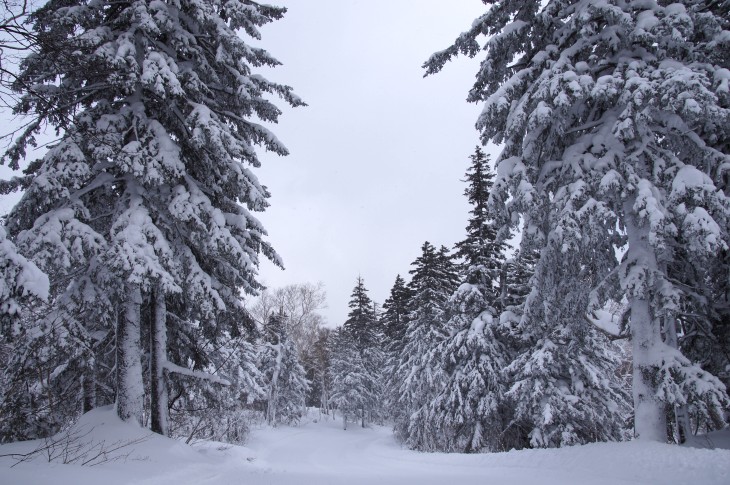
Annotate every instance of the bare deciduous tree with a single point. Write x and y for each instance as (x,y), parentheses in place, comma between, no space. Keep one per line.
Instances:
(301,303)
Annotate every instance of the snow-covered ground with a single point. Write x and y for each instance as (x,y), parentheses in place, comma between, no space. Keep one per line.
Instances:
(320,452)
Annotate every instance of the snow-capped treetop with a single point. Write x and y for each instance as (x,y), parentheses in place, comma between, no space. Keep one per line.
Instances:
(395,317)
(482,250)
(361,324)
(434,280)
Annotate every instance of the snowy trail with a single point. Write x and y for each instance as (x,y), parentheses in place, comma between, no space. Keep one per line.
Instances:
(321,453)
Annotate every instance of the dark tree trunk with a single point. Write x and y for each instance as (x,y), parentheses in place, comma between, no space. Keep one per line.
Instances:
(158,357)
(88,386)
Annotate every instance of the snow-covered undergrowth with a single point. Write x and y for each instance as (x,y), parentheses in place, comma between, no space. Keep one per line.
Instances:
(320,452)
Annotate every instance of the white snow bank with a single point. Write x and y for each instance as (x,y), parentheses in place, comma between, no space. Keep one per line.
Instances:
(322,453)
(116,452)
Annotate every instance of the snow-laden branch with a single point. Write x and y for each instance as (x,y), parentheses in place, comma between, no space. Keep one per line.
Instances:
(608,333)
(195,373)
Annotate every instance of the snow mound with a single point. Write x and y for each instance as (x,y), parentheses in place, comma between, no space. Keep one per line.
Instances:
(98,448)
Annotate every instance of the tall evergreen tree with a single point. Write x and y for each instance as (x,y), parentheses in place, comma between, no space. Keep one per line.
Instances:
(482,250)
(363,330)
(470,410)
(613,115)
(420,374)
(352,382)
(148,192)
(394,322)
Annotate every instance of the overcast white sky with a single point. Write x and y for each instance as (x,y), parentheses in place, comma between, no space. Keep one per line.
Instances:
(378,156)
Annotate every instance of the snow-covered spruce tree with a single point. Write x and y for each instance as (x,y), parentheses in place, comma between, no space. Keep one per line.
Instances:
(150,180)
(618,110)
(565,388)
(293,385)
(285,378)
(394,322)
(420,375)
(363,328)
(470,410)
(352,383)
